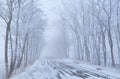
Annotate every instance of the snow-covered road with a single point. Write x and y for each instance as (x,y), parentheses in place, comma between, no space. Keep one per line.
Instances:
(58,69)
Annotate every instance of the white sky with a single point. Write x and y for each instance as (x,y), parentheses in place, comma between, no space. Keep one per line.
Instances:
(50,8)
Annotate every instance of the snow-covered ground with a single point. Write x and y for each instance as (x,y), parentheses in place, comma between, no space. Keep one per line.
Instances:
(66,69)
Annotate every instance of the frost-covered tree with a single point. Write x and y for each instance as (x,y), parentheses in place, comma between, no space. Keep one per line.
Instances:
(94,26)
(24,21)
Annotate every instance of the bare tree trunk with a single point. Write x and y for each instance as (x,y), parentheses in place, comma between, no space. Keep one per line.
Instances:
(111,47)
(104,46)
(98,54)
(23,51)
(118,29)
(87,52)
(12,55)
(6,48)
(6,52)
(17,33)
(110,35)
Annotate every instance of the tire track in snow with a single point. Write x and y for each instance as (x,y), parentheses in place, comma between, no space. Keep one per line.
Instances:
(64,69)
